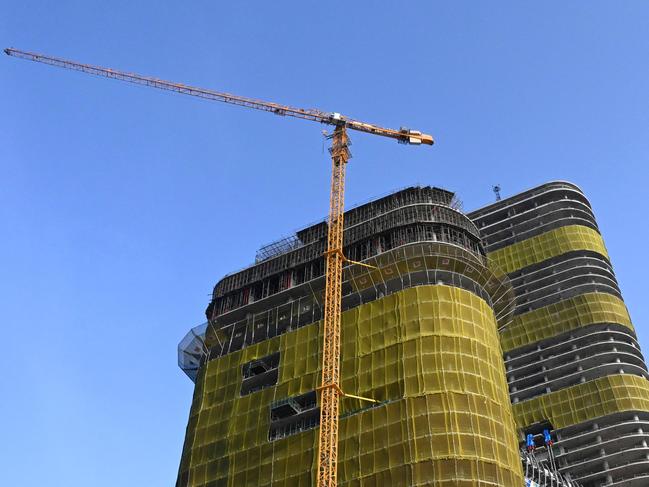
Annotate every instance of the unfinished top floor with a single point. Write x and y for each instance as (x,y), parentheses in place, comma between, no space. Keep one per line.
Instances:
(410,215)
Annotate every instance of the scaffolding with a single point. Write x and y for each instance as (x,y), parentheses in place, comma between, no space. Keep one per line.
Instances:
(401,268)
(429,354)
(410,206)
(394,226)
(278,247)
(539,473)
(420,337)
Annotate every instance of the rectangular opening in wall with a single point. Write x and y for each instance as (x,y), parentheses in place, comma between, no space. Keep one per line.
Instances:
(293,415)
(260,373)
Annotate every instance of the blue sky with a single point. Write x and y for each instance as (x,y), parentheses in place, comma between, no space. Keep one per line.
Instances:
(121,206)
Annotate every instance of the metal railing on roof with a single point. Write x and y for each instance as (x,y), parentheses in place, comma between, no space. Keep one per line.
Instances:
(278,247)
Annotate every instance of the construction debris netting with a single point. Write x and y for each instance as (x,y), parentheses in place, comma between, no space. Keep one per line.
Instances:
(586,402)
(545,246)
(569,314)
(430,355)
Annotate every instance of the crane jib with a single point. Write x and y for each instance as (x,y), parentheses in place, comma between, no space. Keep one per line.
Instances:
(402,135)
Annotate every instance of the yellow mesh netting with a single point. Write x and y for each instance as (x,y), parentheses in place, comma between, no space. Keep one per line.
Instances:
(430,353)
(566,315)
(545,246)
(585,402)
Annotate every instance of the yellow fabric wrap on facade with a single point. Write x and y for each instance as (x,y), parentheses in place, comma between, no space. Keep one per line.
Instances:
(430,354)
(586,402)
(569,314)
(545,246)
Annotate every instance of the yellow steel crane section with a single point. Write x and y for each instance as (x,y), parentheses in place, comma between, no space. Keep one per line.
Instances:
(330,391)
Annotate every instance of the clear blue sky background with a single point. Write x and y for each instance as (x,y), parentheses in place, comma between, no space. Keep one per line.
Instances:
(121,206)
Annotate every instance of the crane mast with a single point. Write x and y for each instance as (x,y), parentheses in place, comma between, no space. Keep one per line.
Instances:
(330,390)
(330,386)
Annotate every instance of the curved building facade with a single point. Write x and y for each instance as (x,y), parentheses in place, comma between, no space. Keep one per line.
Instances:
(419,335)
(573,362)
(475,332)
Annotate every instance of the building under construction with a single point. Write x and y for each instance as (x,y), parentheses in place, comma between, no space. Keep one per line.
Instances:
(496,347)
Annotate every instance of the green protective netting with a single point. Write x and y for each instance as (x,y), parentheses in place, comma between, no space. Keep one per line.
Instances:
(430,354)
(585,402)
(569,314)
(545,246)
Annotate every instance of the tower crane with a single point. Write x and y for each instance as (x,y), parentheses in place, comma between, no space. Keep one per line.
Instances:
(330,391)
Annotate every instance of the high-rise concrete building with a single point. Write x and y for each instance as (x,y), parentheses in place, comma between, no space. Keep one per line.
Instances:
(424,335)
(571,354)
